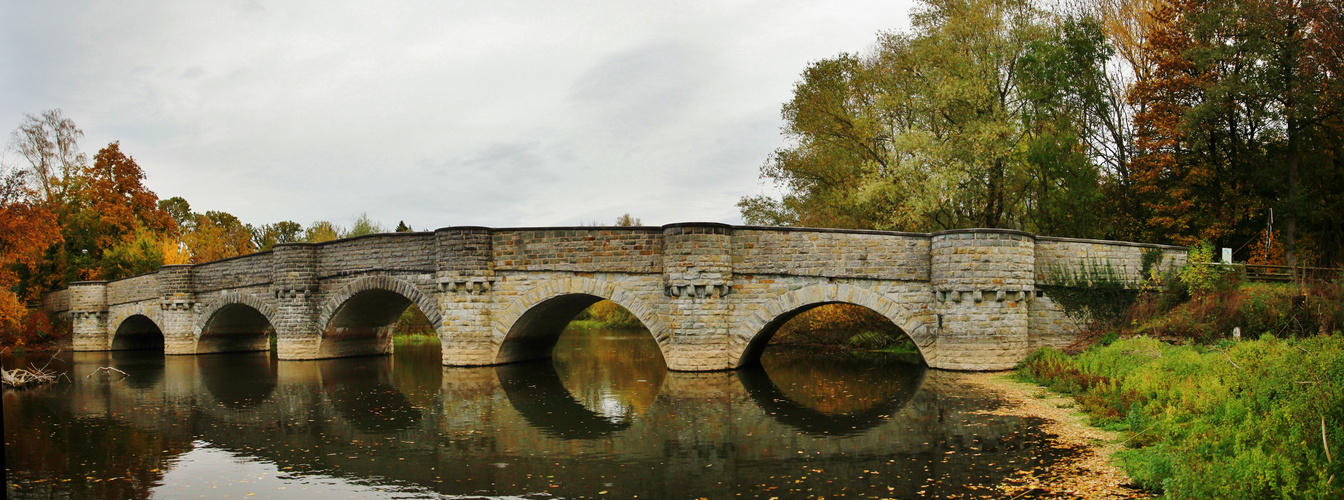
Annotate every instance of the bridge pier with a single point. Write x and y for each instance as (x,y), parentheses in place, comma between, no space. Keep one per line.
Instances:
(177,310)
(87,305)
(293,293)
(982,279)
(465,279)
(697,279)
(710,294)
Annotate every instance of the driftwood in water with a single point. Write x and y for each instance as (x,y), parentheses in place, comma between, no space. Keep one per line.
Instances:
(107,369)
(31,376)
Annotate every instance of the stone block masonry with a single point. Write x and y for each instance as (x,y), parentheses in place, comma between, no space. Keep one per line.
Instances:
(710,294)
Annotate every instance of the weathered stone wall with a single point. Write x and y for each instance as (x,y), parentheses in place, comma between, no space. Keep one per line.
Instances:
(582,249)
(88,315)
(294,297)
(238,272)
(831,253)
(57,301)
(135,288)
(1123,256)
(1049,326)
(392,252)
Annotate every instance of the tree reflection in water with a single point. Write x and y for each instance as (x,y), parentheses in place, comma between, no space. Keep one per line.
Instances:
(613,372)
(836,393)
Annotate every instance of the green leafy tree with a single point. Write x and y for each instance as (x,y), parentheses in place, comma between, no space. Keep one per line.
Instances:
(321,231)
(979,117)
(364,225)
(628,221)
(141,254)
(267,236)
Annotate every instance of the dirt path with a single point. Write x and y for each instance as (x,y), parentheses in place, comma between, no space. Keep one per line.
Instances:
(1089,474)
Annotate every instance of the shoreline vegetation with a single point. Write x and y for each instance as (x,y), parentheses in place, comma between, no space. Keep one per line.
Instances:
(1218,387)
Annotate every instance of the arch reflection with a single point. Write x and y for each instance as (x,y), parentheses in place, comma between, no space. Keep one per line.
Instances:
(535,391)
(364,396)
(852,394)
(144,368)
(239,380)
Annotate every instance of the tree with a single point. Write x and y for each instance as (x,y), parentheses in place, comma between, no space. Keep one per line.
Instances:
(27,229)
(364,225)
(50,143)
(143,253)
(1241,104)
(627,221)
(111,206)
(218,235)
(180,211)
(403,228)
(980,117)
(321,231)
(833,123)
(270,235)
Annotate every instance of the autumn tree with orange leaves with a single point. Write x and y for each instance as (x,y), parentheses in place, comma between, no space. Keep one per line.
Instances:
(1242,105)
(27,229)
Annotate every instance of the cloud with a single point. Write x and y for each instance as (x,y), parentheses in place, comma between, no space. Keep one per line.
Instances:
(498,113)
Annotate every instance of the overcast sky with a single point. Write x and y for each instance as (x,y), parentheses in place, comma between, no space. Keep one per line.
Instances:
(493,113)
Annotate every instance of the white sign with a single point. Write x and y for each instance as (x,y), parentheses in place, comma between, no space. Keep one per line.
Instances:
(1227,255)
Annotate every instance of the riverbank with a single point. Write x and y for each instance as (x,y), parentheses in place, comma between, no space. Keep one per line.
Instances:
(1245,419)
(1086,473)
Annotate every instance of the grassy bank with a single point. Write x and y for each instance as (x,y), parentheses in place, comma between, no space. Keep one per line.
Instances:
(1250,419)
(414,340)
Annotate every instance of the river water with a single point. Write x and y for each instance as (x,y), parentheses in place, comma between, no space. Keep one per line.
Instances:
(602,419)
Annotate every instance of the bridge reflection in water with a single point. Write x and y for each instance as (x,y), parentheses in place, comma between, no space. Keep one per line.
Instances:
(604,415)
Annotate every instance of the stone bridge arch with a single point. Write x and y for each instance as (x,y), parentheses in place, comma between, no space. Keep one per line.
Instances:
(753,332)
(240,321)
(126,333)
(355,320)
(384,283)
(529,326)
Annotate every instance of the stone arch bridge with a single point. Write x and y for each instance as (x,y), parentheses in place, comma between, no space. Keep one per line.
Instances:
(711,294)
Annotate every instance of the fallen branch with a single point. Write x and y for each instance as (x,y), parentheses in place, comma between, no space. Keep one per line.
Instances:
(1326,443)
(106,369)
(1229,358)
(24,377)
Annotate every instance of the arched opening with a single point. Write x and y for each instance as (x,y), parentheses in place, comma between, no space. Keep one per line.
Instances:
(832,368)
(832,325)
(534,334)
(137,332)
(417,356)
(236,328)
(363,324)
(602,355)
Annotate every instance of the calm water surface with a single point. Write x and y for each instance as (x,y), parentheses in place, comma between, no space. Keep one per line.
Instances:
(603,419)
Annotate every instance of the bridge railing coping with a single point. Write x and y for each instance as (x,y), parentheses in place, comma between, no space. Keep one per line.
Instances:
(1039,238)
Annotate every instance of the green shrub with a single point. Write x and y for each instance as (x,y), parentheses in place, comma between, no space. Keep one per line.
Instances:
(1235,420)
(1284,310)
